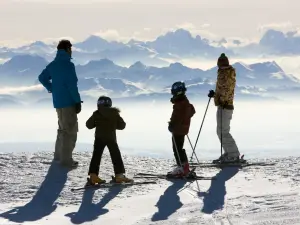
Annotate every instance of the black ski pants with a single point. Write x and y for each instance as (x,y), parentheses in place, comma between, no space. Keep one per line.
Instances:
(115,154)
(179,143)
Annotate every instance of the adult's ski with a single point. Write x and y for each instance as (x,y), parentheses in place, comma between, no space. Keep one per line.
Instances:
(235,164)
(108,185)
(164,176)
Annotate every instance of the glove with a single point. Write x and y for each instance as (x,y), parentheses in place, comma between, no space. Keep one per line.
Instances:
(78,107)
(211,94)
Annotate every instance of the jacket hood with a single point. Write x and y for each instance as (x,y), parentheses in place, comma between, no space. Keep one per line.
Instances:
(62,55)
(180,98)
(108,112)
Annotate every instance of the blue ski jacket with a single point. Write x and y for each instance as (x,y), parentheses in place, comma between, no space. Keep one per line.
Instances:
(60,79)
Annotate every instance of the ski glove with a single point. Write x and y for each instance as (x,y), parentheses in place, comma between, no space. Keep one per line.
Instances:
(211,94)
(78,107)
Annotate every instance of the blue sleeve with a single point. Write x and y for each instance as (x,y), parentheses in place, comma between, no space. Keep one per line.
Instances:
(71,83)
(45,78)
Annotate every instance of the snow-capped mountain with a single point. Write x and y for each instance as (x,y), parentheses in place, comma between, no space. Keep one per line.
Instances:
(173,45)
(95,44)
(265,74)
(139,81)
(181,43)
(114,87)
(21,70)
(272,43)
(99,68)
(38,47)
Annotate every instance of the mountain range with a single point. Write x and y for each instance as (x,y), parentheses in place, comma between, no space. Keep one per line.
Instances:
(140,82)
(166,48)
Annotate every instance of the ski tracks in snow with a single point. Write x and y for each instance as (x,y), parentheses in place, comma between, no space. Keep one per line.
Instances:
(253,195)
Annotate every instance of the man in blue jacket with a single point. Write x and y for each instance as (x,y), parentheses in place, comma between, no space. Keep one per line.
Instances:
(60,79)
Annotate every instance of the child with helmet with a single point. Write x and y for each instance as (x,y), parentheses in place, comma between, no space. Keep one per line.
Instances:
(106,119)
(179,126)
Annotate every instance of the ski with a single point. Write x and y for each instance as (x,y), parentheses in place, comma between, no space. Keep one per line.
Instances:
(237,164)
(164,176)
(108,185)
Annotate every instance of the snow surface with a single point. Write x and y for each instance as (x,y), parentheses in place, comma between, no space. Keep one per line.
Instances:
(33,190)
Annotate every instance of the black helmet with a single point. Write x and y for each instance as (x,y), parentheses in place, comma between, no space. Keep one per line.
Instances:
(178,88)
(104,101)
(64,44)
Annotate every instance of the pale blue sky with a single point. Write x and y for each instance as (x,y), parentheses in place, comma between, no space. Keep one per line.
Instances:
(30,20)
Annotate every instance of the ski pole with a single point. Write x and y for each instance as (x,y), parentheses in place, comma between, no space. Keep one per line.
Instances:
(176,150)
(200,129)
(221,130)
(193,149)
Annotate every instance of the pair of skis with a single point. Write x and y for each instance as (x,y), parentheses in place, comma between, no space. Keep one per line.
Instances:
(232,164)
(190,177)
(167,177)
(112,184)
(241,164)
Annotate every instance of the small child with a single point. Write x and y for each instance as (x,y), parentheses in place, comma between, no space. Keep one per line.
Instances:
(179,126)
(106,120)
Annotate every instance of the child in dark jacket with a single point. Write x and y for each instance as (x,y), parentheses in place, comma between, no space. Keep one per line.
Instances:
(106,120)
(179,126)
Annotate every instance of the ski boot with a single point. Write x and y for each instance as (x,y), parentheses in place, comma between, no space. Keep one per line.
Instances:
(177,172)
(94,179)
(220,159)
(180,171)
(121,178)
(225,159)
(242,160)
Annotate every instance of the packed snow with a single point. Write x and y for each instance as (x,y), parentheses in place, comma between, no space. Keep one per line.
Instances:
(35,190)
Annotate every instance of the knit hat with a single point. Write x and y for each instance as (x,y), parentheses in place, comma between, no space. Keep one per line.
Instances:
(223,60)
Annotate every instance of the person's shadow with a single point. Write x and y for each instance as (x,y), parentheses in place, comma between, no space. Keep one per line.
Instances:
(43,202)
(89,211)
(169,202)
(214,197)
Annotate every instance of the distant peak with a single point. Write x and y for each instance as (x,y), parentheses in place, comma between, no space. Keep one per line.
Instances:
(138,65)
(38,43)
(94,37)
(26,57)
(101,63)
(180,32)
(177,65)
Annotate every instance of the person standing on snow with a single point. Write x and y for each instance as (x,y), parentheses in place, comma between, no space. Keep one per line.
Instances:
(66,101)
(106,119)
(179,126)
(223,99)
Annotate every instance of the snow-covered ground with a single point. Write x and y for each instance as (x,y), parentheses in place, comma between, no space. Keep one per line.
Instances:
(33,190)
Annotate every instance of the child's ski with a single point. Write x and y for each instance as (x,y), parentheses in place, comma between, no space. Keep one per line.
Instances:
(164,176)
(108,185)
(161,176)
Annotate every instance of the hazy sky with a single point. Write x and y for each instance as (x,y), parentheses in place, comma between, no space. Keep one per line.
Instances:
(29,20)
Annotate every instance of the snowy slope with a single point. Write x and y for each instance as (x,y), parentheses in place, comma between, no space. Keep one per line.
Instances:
(35,192)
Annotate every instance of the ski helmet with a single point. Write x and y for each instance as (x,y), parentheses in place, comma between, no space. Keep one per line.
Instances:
(178,88)
(104,101)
